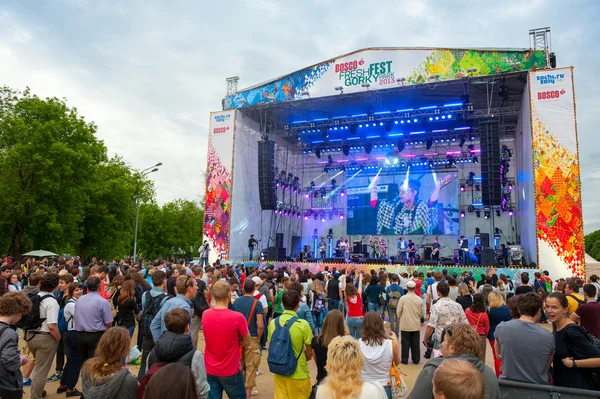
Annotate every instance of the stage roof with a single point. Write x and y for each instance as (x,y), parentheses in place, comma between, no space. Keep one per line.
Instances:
(385,68)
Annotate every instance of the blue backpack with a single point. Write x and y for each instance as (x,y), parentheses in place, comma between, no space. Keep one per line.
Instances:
(281,356)
(63,325)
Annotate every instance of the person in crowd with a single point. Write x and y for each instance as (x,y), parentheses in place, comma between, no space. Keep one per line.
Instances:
(453,294)
(298,384)
(282,287)
(524,288)
(317,305)
(573,296)
(186,287)
(43,341)
(595,282)
(432,295)
(344,364)
(224,330)
(171,281)
(525,348)
(373,295)
(588,314)
(33,288)
(451,378)
(334,289)
(64,280)
(14,285)
(5,272)
(253,311)
(393,293)
(410,313)
(444,312)
(464,298)
(12,306)
(101,272)
(152,301)
(354,305)
(498,312)
(175,346)
(72,369)
(104,376)
(92,318)
(539,283)
(478,318)
(181,383)
(127,306)
(461,341)
(333,326)
(575,354)
(379,350)
(303,311)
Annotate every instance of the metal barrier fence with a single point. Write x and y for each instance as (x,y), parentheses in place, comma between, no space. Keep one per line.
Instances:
(521,390)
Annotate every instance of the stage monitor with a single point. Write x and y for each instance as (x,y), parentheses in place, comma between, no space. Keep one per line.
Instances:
(393,208)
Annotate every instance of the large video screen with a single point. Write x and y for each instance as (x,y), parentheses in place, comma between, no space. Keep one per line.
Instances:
(394,205)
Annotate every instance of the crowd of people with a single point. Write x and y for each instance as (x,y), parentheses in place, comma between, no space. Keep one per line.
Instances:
(82,320)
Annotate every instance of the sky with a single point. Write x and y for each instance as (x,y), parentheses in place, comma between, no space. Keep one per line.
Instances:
(149,72)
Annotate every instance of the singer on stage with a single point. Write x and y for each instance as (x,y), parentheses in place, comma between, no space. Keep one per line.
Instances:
(252,242)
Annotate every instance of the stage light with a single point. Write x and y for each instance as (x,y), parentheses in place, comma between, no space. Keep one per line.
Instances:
(471,209)
(415,120)
(462,141)
(478,214)
(316,217)
(449,116)
(307,196)
(430,118)
(395,122)
(462,188)
(305,217)
(510,186)
(510,212)
(486,214)
(462,214)
(341,217)
(323,219)
(331,216)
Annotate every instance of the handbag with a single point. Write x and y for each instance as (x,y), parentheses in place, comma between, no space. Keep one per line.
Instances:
(397,384)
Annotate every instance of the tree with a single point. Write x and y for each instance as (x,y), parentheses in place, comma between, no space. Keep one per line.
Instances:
(47,155)
(592,244)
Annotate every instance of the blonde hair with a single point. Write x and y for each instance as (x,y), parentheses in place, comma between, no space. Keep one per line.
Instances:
(453,375)
(318,287)
(463,289)
(344,365)
(495,299)
(464,339)
(220,290)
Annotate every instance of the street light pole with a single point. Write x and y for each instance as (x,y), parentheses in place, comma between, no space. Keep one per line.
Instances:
(137,208)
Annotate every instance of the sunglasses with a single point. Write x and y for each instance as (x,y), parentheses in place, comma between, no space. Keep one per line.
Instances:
(447,330)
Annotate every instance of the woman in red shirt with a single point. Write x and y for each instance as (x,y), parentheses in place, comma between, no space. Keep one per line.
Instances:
(478,318)
(355,307)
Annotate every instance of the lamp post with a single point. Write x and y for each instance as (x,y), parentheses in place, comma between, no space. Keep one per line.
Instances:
(144,172)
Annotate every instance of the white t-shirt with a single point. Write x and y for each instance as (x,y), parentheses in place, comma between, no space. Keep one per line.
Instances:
(378,362)
(70,314)
(369,391)
(262,299)
(49,310)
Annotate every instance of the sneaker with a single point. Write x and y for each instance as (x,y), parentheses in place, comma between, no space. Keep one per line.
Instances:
(61,390)
(75,392)
(254,393)
(259,372)
(26,382)
(55,377)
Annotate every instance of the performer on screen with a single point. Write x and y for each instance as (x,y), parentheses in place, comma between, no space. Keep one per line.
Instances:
(322,248)
(408,213)
(435,251)
(252,243)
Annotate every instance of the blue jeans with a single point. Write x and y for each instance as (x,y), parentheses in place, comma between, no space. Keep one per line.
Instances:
(373,307)
(251,249)
(73,367)
(355,326)
(203,262)
(388,391)
(233,386)
(333,304)
(318,319)
(131,330)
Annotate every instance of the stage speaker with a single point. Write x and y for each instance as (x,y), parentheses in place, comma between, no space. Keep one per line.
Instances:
(485,240)
(272,253)
(427,253)
(487,258)
(296,244)
(266,175)
(491,184)
(281,254)
(278,240)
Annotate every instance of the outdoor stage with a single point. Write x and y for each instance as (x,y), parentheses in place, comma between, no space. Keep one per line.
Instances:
(413,143)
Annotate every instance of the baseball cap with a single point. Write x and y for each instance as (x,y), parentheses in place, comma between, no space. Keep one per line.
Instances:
(411,284)
(257,280)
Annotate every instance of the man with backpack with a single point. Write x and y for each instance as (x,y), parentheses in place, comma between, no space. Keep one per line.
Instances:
(393,294)
(573,296)
(253,312)
(199,305)
(152,301)
(186,287)
(290,351)
(175,346)
(224,330)
(41,332)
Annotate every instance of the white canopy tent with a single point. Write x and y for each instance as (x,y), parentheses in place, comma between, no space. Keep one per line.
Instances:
(592,266)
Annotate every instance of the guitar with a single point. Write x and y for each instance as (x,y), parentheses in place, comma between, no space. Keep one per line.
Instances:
(435,251)
(322,248)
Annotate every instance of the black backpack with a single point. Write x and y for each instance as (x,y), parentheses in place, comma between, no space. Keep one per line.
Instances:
(32,320)
(153,305)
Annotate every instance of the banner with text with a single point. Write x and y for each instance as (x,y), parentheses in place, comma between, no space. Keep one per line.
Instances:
(217,214)
(556,173)
(374,69)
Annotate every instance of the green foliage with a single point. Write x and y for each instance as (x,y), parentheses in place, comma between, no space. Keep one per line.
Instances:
(60,191)
(592,244)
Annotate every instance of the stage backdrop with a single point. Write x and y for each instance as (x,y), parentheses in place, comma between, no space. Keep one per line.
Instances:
(384,68)
(378,208)
(219,171)
(557,175)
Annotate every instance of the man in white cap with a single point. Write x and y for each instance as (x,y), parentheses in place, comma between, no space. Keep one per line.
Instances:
(410,311)
(258,295)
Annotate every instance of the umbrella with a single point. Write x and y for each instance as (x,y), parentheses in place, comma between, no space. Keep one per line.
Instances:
(40,253)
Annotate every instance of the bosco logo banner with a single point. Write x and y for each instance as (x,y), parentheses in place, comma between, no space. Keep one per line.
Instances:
(221,129)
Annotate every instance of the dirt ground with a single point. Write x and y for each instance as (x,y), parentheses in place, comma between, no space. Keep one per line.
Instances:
(265,381)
